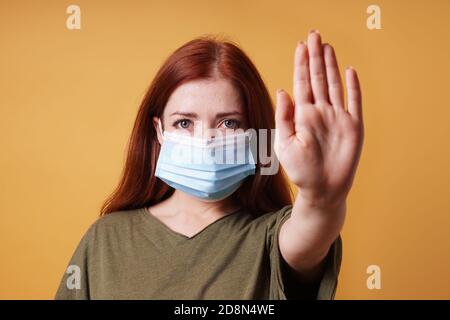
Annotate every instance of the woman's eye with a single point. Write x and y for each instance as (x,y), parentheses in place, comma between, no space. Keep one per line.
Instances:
(183,124)
(231,124)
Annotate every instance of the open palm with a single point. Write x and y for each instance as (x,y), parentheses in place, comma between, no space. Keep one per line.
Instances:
(318,141)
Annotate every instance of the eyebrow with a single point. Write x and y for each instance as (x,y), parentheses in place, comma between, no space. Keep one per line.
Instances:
(224,114)
(195,116)
(185,114)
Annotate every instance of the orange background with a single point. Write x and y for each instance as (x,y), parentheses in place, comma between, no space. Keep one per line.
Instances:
(69,98)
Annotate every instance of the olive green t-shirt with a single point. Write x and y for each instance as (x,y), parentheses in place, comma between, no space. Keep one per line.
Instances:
(131,254)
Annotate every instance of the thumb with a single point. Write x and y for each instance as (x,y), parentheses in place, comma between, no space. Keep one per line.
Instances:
(284,115)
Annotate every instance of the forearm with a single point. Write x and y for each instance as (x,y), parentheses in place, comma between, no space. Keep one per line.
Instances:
(308,234)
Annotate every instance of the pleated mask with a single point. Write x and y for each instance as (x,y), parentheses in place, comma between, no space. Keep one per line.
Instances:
(209,169)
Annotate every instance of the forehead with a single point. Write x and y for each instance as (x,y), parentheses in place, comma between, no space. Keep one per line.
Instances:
(202,96)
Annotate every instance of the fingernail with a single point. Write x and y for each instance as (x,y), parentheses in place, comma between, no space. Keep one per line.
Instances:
(314,31)
(279,91)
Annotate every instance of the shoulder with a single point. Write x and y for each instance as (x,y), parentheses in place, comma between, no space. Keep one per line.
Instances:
(119,218)
(118,222)
(271,219)
(267,224)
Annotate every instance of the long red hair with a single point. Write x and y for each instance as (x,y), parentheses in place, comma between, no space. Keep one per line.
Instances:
(205,57)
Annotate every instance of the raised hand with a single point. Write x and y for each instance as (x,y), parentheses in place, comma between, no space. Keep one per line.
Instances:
(318,141)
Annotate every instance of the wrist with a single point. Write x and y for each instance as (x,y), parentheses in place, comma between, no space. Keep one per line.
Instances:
(319,199)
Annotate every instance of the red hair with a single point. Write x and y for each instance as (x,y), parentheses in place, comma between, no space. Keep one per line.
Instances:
(205,57)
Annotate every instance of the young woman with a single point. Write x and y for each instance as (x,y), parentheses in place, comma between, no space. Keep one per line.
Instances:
(175,229)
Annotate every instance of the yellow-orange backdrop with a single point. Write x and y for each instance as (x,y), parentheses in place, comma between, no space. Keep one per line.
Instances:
(68,100)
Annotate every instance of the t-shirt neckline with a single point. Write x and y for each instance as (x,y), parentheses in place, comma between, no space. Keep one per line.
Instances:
(182,237)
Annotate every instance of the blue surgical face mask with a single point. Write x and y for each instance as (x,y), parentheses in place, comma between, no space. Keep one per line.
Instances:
(207,169)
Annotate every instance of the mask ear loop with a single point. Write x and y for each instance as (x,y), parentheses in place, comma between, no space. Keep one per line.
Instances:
(160,128)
